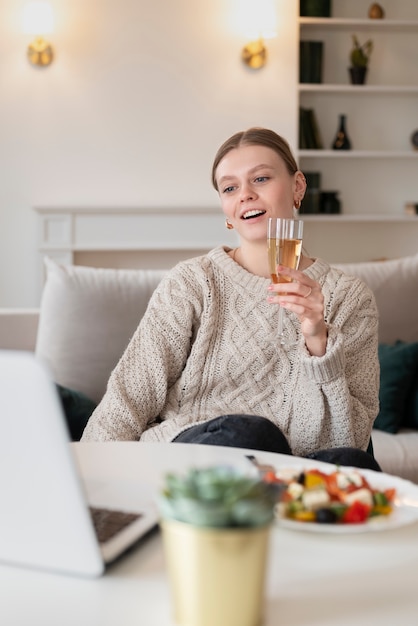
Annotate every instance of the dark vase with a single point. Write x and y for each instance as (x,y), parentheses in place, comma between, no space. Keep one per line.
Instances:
(311,200)
(341,141)
(329,202)
(358,75)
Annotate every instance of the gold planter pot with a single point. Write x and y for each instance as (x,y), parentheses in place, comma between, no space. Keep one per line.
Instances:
(216,575)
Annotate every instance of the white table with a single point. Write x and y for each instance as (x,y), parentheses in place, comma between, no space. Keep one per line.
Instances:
(313,579)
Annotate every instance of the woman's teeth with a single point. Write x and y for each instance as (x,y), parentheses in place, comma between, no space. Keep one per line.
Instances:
(253,213)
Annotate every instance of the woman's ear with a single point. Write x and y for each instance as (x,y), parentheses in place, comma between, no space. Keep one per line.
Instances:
(300,185)
(298,191)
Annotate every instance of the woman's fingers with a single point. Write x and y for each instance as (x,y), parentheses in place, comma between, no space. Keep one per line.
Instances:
(295,283)
(303,297)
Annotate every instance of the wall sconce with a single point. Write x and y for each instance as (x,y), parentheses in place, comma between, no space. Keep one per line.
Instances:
(38,20)
(258,19)
(254,54)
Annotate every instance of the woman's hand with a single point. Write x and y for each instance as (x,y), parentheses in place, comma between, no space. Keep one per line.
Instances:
(303,297)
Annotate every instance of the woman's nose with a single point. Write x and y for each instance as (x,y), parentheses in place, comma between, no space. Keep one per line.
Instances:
(247,193)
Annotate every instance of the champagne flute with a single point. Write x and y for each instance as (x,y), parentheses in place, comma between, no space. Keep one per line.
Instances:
(284,243)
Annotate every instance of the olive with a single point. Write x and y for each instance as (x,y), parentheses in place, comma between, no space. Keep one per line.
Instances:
(301,478)
(326,516)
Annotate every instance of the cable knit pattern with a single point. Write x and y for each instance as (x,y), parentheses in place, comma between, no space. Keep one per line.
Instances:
(207,346)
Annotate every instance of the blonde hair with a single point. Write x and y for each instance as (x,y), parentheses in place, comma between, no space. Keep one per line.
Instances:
(256,137)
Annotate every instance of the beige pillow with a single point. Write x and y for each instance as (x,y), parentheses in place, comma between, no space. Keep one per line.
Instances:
(395,285)
(86,319)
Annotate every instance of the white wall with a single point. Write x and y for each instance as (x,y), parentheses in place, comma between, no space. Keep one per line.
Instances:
(130,113)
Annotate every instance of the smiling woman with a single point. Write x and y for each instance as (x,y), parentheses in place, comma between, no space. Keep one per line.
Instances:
(257,177)
(204,364)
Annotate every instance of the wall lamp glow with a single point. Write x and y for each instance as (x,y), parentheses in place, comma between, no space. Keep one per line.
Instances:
(257,20)
(38,20)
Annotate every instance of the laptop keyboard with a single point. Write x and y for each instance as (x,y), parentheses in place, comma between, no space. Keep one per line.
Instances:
(107,523)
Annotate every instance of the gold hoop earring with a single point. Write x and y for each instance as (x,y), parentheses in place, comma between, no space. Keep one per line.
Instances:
(297,204)
(228,225)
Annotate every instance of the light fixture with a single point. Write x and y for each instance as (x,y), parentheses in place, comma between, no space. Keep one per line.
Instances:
(254,54)
(258,20)
(38,20)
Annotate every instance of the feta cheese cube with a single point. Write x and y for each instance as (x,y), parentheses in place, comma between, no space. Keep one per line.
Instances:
(342,480)
(355,479)
(360,495)
(295,490)
(315,499)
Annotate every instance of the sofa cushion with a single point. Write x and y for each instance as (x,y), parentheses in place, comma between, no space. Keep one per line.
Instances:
(397,454)
(87,317)
(395,285)
(411,416)
(77,409)
(398,372)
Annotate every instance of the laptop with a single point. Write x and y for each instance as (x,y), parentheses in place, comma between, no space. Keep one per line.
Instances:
(46,521)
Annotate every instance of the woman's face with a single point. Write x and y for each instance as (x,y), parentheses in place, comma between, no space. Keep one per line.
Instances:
(254,184)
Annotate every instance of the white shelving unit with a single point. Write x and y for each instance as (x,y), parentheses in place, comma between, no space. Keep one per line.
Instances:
(379,176)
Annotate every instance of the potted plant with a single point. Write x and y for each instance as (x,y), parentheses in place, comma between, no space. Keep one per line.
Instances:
(215,526)
(359,58)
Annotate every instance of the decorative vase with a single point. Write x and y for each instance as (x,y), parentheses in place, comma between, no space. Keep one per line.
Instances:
(216,575)
(341,141)
(311,200)
(376,12)
(358,75)
(414,139)
(329,202)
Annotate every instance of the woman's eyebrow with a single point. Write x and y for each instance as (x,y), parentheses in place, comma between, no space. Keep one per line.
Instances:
(224,180)
(254,169)
(262,166)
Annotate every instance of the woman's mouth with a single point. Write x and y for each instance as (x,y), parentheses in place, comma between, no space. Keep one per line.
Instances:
(252,213)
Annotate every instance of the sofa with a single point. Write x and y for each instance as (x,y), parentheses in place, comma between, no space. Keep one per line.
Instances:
(87,316)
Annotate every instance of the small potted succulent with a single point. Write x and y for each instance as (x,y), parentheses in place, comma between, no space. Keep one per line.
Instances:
(359,59)
(215,526)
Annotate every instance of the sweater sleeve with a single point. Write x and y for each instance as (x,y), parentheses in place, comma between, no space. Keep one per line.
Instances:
(137,388)
(341,388)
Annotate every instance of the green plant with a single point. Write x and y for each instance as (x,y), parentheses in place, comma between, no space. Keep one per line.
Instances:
(360,54)
(218,497)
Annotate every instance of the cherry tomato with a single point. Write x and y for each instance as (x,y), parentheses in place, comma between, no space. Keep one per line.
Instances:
(390,494)
(357,513)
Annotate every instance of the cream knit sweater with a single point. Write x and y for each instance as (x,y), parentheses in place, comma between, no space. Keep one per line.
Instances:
(207,346)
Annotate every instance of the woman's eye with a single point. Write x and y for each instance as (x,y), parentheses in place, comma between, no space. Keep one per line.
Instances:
(228,189)
(261,179)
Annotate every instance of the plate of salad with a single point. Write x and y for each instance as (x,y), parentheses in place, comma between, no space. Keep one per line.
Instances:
(344,500)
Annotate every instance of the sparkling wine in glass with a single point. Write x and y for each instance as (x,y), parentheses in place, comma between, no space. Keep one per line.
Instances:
(284,243)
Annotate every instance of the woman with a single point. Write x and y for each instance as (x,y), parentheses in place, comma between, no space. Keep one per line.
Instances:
(205,359)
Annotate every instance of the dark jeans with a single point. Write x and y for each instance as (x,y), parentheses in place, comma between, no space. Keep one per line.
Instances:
(259,433)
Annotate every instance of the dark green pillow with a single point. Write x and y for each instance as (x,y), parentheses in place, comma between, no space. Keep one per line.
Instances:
(398,371)
(77,409)
(411,416)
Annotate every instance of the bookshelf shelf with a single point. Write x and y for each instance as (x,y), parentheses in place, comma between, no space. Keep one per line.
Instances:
(356,90)
(358,23)
(379,217)
(358,154)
